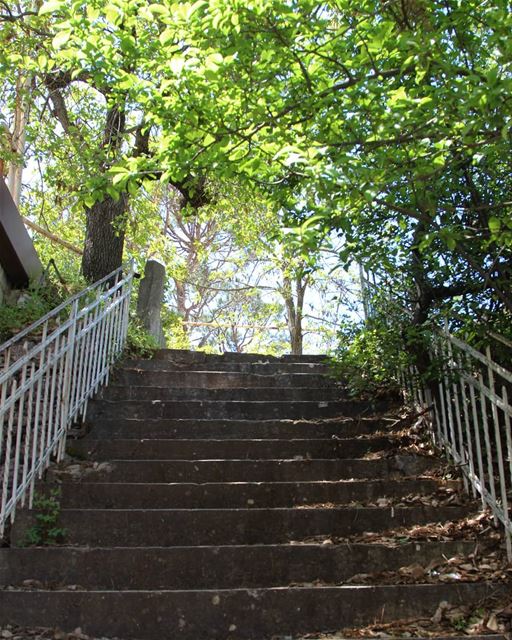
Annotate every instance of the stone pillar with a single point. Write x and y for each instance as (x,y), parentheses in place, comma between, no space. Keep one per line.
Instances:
(151,295)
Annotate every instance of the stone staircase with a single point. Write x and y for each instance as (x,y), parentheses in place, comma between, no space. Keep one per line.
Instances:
(205,502)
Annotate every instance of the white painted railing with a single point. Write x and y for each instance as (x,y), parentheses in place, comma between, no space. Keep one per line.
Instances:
(48,373)
(469,408)
(471,417)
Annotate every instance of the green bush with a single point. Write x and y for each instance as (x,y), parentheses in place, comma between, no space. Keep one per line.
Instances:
(368,359)
(174,330)
(139,342)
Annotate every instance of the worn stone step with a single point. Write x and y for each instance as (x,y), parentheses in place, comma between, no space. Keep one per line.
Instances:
(224,567)
(248,470)
(232,356)
(171,527)
(195,449)
(218,495)
(264,367)
(262,410)
(218,379)
(238,394)
(232,429)
(235,614)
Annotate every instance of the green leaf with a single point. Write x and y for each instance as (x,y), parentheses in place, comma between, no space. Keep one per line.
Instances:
(120,177)
(494,224)
(214,60)
(112,14)
(399,95)
(177,64)
(50,6)
(167,36)
(61,38)
(158,9)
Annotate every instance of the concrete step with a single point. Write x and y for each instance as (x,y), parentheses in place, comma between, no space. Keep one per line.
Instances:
(249,470)
(232,429)
(173,449)
(264,367)
(238,394)
(171,527)
(235,614)
(225,567)
(219,495)
(262,410)
(232,356)
(218,379)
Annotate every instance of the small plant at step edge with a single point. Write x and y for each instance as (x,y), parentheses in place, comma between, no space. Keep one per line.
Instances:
(45,531)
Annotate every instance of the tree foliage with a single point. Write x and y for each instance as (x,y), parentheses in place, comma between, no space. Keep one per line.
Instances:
(387,123)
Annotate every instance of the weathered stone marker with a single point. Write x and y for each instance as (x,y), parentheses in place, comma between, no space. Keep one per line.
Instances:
(151,294)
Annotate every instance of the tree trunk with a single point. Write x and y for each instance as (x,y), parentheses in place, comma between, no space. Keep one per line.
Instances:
(104,237)
(294,303)
(18,137)
(296,340)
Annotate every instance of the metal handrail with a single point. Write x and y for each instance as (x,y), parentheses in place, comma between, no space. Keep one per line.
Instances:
(46,383)
(470,411)
(471,418)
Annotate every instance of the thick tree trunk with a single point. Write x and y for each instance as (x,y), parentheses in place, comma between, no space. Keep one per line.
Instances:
(104,237)
(294,303)
(296,340)
(18,137)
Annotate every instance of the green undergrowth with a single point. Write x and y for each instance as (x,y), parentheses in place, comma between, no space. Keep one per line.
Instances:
(23,308)
(368,359)
(46,530)
(139,342)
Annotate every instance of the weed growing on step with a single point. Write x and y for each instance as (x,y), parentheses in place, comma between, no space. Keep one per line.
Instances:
(139,342)
(45,531)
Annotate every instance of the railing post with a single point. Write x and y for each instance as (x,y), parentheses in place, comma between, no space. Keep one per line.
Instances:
(67,386)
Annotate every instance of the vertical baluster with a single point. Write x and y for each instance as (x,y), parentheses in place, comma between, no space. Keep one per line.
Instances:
(508,436)
(499,452)
(487,441)
(458,418)
(93,346)
(19,432)
(28,432)
(59,393)
(3,396)
(67,359)
(38,423)
(7,460)
(53,355)
(421,393)
(100,344)
(113,310)
(508,433)
(80,373)
(448,398)
(106,321)
(476,425)
(467,426)
(126,309)
(440,394)
(75,369)
(108,310)
(71,373)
